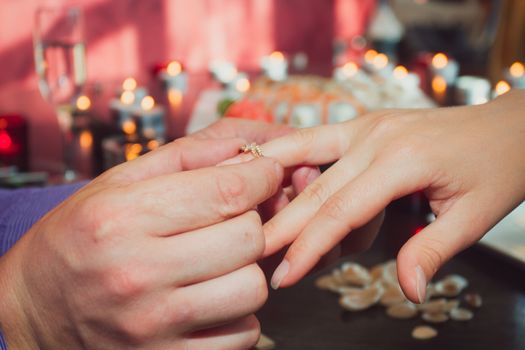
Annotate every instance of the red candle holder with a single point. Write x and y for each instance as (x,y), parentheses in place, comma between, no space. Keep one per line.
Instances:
(13,141)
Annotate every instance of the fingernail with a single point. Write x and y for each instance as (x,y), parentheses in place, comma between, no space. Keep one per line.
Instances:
(421,284)
(280,273)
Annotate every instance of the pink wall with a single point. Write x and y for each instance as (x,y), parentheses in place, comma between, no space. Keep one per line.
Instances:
(127,37)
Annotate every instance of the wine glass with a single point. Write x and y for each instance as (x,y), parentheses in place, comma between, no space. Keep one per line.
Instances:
(61,68)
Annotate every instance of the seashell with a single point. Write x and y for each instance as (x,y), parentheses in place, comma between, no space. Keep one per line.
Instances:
(390,273)
(337,275)
(264,343)
(355,274)
(451,286)
(348,290)
(376,272)
(461,314)
(423,332)
(392,295)
(451,305)
(474,300)
(438,317)
(402,311)
(327,282)
(434,306)
(363,299)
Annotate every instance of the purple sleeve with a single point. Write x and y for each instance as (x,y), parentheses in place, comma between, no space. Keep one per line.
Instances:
(20,209)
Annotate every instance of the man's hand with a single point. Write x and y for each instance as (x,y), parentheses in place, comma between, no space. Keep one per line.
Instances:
(297,178)
(152,255)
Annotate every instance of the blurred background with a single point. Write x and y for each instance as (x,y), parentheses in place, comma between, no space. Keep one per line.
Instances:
(70,107)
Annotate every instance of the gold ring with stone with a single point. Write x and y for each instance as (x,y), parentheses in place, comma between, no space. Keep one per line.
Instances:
(253,148)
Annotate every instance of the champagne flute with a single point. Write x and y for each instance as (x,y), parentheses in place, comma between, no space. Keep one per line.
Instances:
(61,68)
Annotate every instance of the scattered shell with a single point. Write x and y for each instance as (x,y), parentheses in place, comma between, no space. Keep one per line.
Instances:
(348,290)
(451,286)
(438,317)
(461,314)
(390,273)
(424,332)
(392,296)
(264,343)
(434,306)
(362,299)
(402,311)
(337,275)
(451,305)
(376,272)
(327,282)
(355,274)
(474,300)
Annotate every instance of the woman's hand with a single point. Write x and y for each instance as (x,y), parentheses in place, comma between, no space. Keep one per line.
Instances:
(469,161)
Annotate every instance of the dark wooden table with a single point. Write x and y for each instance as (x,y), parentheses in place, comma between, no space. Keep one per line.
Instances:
(304,317)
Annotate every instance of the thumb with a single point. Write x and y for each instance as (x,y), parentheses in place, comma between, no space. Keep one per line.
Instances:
(424,254)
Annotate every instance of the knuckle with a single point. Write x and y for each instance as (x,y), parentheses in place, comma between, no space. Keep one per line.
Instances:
(335,208)
(123,283)
(253,235)
(136,329)
(316,192)
(98,217)
(183,313)
(253,333)
(230,188)
(386,124)
(258,286)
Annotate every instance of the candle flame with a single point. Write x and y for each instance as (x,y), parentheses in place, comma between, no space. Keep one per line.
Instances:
(277,55)
(370,55)
(174,68)
(400,72)
(440,60)
(350,69)
(502,87)
(83,103)
(127,97)
(242,85)
(439,85)
(153,144)
(517,70)
(129,127)
(86,139)
(175,97)
(380,61)
(147,103)
(129,84)
(133,151)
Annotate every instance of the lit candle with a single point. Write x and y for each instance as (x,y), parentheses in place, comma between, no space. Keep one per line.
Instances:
(472,90)
(174,77)
(502,87)
(275,66)
(445,67)
(380,65)
(345,72)
(223,71)
(405,79)
(516,75)
(439,89)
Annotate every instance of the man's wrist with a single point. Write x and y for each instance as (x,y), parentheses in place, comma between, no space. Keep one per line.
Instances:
(13,324)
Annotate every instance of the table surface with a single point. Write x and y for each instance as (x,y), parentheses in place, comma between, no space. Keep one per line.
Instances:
(304,317)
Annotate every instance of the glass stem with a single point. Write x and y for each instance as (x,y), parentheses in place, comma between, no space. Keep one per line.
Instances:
(65,122)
